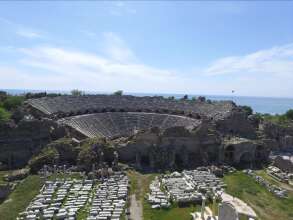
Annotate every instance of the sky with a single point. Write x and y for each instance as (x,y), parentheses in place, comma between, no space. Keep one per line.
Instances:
(192,47)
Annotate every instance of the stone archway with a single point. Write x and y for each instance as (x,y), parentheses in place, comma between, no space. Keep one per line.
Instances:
(229,154)
(145,160)
(245,160)
(179,162)
(259,152)
(260,155)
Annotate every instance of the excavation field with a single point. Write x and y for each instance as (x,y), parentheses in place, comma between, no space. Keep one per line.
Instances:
(266,205)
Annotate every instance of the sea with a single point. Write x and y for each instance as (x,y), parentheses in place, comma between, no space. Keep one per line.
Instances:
(270,105)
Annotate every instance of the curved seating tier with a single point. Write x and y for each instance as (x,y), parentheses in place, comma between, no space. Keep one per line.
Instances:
(117,124)
(67,105)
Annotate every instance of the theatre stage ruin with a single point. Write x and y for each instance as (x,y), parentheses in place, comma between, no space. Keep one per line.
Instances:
(156,132)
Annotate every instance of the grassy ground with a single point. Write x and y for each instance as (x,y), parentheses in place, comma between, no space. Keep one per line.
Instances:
(19,199)
(266,205)
(173,213)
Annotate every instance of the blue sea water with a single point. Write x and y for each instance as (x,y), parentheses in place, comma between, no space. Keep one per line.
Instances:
(259,104)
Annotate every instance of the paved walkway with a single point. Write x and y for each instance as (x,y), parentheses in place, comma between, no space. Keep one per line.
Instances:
(135,208)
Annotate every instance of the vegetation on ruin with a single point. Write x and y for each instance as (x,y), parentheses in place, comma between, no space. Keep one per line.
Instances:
(265,204)
(67,150)
(8,105)
(248,110)
(48,156)
(88,155)
(283,120)
(20,198)
(76,92)
(4,115)
(119,92)
(63,150)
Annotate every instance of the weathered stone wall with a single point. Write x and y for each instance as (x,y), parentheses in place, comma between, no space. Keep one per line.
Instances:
(237,124)
(244,152)
(181,147)
(176,147)
(283,136)
(19,142)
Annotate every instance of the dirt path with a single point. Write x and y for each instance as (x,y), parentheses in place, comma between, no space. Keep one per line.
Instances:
(135,208)
(135,200)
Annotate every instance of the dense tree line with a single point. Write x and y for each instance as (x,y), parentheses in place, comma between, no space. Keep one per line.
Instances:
(9,105)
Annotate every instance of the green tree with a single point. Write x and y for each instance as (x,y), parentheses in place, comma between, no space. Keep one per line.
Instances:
(4,115)
(185,97)
(289,114)
(119,92)
(247,109)
(12,102)
(76,92)
(3,96)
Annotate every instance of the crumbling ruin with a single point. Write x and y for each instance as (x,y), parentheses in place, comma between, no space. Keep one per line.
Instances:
(151,132)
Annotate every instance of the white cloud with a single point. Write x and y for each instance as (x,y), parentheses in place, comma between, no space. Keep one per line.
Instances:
(262,73)
(117,49)
(120,8)
(27,33)
(69,62)
(274,61)
(119,69)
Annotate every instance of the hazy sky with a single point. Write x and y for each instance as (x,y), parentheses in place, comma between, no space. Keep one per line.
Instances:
(162,47)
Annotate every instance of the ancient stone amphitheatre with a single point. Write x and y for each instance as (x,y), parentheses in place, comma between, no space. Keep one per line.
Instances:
(128,157)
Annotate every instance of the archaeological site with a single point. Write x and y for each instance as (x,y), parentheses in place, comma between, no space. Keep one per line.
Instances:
(117,157)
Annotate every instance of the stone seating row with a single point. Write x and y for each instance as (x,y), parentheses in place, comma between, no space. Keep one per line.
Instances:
(76,105)
(116,124)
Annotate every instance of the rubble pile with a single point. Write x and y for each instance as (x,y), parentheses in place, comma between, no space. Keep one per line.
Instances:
(277,191)
(278,174)
(157,198)
(65,199)
(59,199)
(109,198)
(185,187)
(180,188)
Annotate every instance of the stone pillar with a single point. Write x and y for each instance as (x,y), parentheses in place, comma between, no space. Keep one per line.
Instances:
(152,160)
(55,168)
(203,207)
(172,159)
(45,171)
(138,160)
(101,158)
(214,206)
(115,161)
(185,157)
